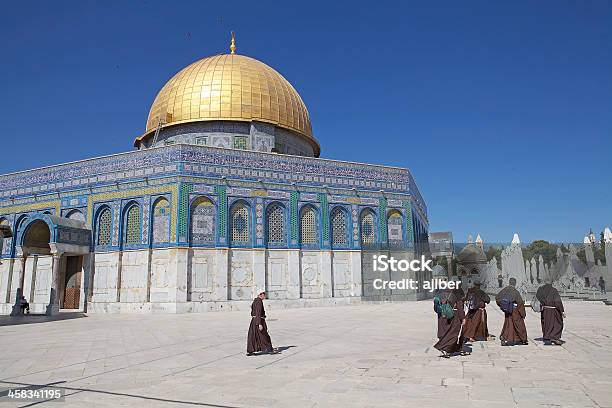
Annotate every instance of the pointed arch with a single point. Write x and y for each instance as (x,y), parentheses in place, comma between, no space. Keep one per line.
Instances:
(160,221)
(202,222)
(37,236)
(395,227)
(104,226)
(240,224)
(6,242)
(75,215)
(367,226)
(132,225)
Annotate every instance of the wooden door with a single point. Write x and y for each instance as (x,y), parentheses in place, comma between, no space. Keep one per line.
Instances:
(72,288)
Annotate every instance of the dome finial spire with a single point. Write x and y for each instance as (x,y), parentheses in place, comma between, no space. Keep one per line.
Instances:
(233,44)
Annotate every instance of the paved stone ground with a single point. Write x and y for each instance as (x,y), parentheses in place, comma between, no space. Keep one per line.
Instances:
(365,356)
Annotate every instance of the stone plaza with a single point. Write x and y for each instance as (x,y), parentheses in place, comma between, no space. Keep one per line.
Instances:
(366,355)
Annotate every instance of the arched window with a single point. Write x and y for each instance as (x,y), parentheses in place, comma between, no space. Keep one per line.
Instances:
(275,224)
(104,228)
(395,233)
(132,225)
(240,225)
(75,215)
(161,221)
(6,242)
(202,222)
(367,227)
(339,221)
(308,226)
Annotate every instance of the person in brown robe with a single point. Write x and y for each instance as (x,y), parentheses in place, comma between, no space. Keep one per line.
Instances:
(475,326)
(552,314)
(514,330)
(439,293)
(258,338)
(449,330)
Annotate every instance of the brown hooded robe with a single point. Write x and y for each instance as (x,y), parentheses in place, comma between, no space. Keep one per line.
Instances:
(475,326)
(449,330)
(441,326)
(258,340)
(552,312)
(514,329)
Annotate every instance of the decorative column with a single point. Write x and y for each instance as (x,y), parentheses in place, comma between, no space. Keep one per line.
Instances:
(16,307)
(293,254)
(24,258)
(54,304)
(327,290)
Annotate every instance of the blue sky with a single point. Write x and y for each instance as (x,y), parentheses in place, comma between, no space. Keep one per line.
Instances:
(501,110)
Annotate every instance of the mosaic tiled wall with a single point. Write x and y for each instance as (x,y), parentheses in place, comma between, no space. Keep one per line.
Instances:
(179,173)
(208,162)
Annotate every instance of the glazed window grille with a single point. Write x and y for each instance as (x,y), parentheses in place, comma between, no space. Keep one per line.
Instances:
(240,142)
(308,226)
(339,230)
(276,224)
(132,226)
(240,225)
(105,221)
(367,228)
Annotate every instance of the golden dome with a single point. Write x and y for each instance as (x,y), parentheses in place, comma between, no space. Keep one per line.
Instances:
(230,87)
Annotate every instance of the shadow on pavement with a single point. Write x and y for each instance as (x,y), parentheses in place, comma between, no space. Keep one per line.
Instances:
(38,318)
(283,348)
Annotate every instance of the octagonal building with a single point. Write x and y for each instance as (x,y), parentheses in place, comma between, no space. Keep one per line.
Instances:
(225,196)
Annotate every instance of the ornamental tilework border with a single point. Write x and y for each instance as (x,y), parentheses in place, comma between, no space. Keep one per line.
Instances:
(293,220)
(24,208)
(145,219)
(208,161)
(309,197)
(259,221)
(116,211)
(221,192)
(74,201)
(324,218)
(408,221)
(382,210)
(355,218)
(108,196)
(183,212)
